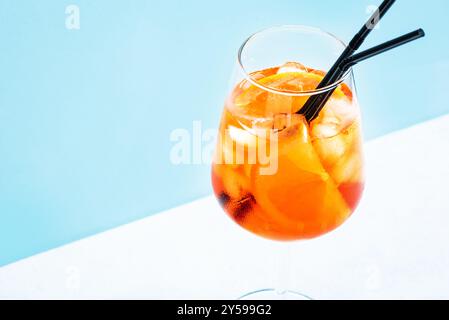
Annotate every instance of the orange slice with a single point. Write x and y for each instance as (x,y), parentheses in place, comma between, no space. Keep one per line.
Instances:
(301,197)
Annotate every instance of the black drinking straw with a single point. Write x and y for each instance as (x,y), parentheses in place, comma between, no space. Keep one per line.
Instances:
(374,51)
(353,46)
(356,58)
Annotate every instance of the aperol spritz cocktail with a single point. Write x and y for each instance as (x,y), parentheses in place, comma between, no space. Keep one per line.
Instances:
(277,175)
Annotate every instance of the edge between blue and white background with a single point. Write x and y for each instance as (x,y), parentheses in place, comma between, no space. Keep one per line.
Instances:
(86,115)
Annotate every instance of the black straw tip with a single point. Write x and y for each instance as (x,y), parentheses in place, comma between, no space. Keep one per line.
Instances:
(421,32)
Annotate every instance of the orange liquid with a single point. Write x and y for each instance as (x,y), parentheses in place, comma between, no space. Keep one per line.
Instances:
(313,180)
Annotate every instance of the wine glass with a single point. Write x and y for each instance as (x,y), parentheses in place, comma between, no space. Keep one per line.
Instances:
(275,174)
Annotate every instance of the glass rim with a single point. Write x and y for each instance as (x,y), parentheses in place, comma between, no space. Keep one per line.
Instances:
(254,82)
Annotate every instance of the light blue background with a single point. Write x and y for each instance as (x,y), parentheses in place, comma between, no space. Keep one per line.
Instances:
(85,116)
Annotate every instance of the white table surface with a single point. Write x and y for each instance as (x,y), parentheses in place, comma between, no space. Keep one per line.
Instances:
(396,246)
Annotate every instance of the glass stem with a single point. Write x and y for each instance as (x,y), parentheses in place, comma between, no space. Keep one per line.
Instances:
(283,265)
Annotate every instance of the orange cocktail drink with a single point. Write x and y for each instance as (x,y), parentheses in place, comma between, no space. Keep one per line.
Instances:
(277,175)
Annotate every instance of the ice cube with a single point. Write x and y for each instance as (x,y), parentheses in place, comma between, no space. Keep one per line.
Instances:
(242,137)
(344,109)
(337,115)
(275,124)
(258,128)
(327,129)
(348,169)
(330,150)
(241,146)
(292,67)
(282,121)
